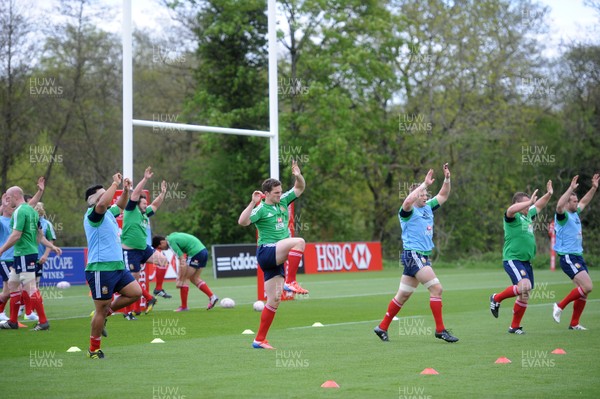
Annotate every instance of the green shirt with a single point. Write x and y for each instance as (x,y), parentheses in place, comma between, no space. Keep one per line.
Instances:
(26,220)
(271,221)
(135,223)
(183,243)
(519,241)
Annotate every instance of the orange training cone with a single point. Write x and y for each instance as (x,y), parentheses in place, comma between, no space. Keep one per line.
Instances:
(559,351)
(429,371)
(502,360)
(21,325)
(330,384)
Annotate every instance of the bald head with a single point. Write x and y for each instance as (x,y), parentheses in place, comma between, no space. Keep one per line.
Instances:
(14,196)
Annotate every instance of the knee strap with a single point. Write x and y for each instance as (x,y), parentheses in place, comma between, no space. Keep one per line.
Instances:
(431,282)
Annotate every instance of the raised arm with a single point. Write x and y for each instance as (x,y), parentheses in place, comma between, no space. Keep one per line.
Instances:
(409,201)
(122,201)
(300,184)
(160,198)
(137,191)
(543,201)
(442,196)
(244,219)
(41,185)
(108,195)
(519,206)
(564,199)
(590,194)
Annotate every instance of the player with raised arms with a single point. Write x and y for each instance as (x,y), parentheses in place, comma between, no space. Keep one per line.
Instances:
(105,271)
(275,245)
(569,247)
(416,221)
(518,253)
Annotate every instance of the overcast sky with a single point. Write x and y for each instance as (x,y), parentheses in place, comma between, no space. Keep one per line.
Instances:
(569,20)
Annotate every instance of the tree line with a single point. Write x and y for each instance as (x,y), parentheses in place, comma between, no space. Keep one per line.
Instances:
(372,94)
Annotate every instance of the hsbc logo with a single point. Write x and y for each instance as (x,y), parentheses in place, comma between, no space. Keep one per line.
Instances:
(337,257)
(361,256)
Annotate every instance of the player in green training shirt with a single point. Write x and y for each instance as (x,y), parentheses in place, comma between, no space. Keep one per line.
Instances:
(26,231)
(134,237)
(186,244)
(275,245)
(519,251)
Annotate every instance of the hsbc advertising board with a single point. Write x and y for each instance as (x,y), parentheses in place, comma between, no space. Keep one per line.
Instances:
(342,257)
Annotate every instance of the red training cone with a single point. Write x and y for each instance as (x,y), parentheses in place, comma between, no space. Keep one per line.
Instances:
(330,384)
(429,371)
(502,360)
(559,351)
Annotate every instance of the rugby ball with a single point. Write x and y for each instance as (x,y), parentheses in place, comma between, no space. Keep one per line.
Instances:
(227,303)
(63,285)
(259,306)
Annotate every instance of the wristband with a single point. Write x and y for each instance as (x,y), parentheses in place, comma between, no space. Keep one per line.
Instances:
(447,180)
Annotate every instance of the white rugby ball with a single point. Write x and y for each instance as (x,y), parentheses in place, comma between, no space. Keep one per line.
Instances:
(259,306)
(227,303)
(63,285)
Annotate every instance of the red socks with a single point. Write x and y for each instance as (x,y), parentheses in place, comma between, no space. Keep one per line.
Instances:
(15,304)
(94,343)
(509,292)
(38,304)
(435,303)
(146,294)
(26,300)
(518,312)
(2,306)
(578,306)
(392,310)
(160,277)
(266,318)
(575,294)
(183,293)
(202,286)
(294,258)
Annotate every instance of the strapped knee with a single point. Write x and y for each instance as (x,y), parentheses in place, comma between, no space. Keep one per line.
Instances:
(431,282)
(407,288)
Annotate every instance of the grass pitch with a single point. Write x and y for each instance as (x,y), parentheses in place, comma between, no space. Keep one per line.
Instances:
(205,354)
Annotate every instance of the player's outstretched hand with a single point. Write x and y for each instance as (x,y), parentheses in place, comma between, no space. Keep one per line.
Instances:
(295,169)
(429,178)
(117,178)
(549,188)
(533,197)
(595,180)
(257,196)
(148,173)
(446,171)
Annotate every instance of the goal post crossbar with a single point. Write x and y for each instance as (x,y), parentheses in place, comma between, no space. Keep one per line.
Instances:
(199,128)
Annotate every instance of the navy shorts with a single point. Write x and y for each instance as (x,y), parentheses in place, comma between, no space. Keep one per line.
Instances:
(572,264)
(265,256)
(104,284)
(518,270)
(413,262)
(39,269)
(5,266)
(199,260)
(25,263)
(134,258)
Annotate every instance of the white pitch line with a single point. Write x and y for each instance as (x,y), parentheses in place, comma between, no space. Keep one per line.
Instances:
(349,323)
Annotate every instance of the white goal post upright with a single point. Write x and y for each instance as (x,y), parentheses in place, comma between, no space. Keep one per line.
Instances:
(129,122)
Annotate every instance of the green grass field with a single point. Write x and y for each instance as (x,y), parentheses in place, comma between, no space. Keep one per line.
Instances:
(206,356)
